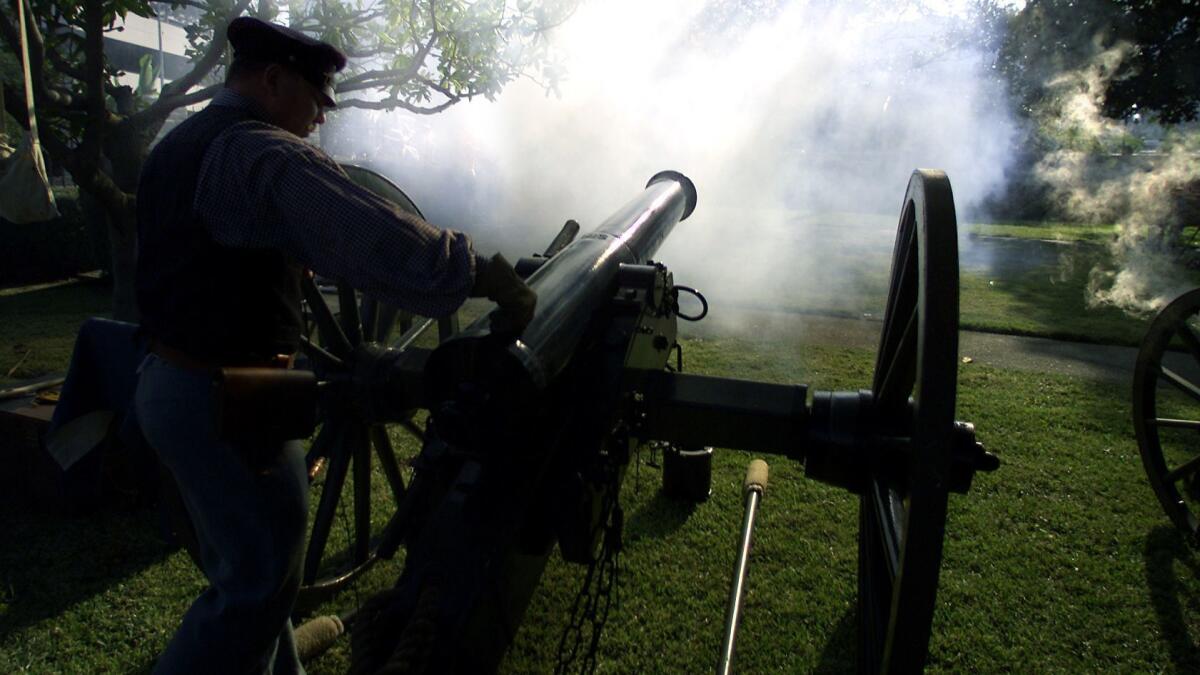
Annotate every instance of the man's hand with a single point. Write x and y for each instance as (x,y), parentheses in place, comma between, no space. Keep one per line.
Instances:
(497,281)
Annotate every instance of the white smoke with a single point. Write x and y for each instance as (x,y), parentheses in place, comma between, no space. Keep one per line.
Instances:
(1140,193)
(799,123)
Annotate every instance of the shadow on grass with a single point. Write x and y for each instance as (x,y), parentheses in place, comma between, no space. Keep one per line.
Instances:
(658,517)
(1167,557)
(52,562)
(840,652)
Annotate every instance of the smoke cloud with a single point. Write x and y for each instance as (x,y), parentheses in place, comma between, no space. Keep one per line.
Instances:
(799,122)
(1138,192)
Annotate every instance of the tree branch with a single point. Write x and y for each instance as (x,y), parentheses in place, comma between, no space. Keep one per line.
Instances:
(62,66)
(198,96)
(378,78)
(393,103)
(94,81)
(87,175)
(190,3)
(174,94)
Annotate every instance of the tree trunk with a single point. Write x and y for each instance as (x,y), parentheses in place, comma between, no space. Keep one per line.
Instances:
(122,239)
(126,150)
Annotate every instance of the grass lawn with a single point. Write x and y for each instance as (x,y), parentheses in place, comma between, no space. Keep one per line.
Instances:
(1048,230)
(1060,561)
(37,328)
(1048,298)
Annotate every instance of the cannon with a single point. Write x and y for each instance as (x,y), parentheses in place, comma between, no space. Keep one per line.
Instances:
(528,437)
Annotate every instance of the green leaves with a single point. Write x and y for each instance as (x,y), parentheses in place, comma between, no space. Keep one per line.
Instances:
(146,75)
(423,56)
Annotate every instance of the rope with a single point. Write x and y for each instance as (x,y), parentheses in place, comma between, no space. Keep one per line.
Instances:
(33,133)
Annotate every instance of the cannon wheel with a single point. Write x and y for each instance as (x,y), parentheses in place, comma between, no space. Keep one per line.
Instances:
(902,520)
(1165,414)
(342,447)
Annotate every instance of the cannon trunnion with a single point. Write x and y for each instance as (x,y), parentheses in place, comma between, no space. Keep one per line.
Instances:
(529,437)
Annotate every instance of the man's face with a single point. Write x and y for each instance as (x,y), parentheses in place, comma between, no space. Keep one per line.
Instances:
(294,103)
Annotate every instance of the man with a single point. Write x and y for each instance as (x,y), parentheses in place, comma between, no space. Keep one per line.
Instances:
(233,207)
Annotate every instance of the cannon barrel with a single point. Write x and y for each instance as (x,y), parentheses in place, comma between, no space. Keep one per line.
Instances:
(571,287)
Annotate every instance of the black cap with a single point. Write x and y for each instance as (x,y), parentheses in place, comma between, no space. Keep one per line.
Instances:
(256,40)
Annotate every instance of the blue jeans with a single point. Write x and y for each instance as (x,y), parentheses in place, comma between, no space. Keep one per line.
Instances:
(250,524)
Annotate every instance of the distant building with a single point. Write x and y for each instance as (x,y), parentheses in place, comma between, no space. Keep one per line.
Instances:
(161,40)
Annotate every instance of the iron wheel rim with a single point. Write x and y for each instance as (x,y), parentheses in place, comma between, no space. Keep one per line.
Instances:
(1149,376)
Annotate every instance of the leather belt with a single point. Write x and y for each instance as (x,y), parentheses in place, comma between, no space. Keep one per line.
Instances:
(183,360)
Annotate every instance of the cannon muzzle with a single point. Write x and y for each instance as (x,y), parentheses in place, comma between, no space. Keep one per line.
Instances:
(571,287)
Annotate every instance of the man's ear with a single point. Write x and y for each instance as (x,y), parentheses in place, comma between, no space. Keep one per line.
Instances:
(272,77)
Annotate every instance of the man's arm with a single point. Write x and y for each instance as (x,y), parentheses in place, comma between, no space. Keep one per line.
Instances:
(260,187)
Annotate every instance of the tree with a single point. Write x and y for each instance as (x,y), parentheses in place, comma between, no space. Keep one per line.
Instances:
(422,56)
(1161,74)
(1157,74)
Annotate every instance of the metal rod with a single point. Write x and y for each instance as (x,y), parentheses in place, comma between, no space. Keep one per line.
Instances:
(413,333)
(756,482)
(26,389)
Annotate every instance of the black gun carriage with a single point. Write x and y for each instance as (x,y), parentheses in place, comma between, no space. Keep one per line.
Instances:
(528,438)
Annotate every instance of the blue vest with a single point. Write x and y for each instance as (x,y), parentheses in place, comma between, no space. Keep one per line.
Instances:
(205,299)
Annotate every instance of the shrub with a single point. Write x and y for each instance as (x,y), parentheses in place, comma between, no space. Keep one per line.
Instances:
(54,249)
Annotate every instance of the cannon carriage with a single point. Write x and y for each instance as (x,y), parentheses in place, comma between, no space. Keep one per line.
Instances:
(528,437)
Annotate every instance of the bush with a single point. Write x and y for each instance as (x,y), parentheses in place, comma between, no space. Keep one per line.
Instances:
(54,249)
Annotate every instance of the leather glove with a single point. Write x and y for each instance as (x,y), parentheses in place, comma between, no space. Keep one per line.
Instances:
(497,281)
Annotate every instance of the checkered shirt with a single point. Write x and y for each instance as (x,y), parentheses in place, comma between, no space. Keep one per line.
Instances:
(263,187)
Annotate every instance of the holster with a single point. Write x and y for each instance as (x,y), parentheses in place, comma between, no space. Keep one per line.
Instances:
(264,405)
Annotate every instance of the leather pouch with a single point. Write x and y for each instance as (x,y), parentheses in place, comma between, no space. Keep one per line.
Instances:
(264,405)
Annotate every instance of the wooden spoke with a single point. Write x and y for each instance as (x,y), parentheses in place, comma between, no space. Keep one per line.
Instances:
(1174,423)
(348,309)
(899,300)
(413,429)
(327,509)
(1180,382)
(897,382)
(330,430)
(1187,469)
(385,323)
(370,318)
(1189,337)
(331,332)
(319,356)
(387,461)
(362,495)
(447,327)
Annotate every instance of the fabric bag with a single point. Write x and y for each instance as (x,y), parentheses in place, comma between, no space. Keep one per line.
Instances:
(25,195)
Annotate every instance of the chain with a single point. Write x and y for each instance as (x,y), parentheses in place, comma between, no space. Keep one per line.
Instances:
(590,609)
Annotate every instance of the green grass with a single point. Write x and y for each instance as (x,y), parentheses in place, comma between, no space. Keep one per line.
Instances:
(1061,559)
(1048,230)
(1028,288)
(38,327)
(1047,300)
